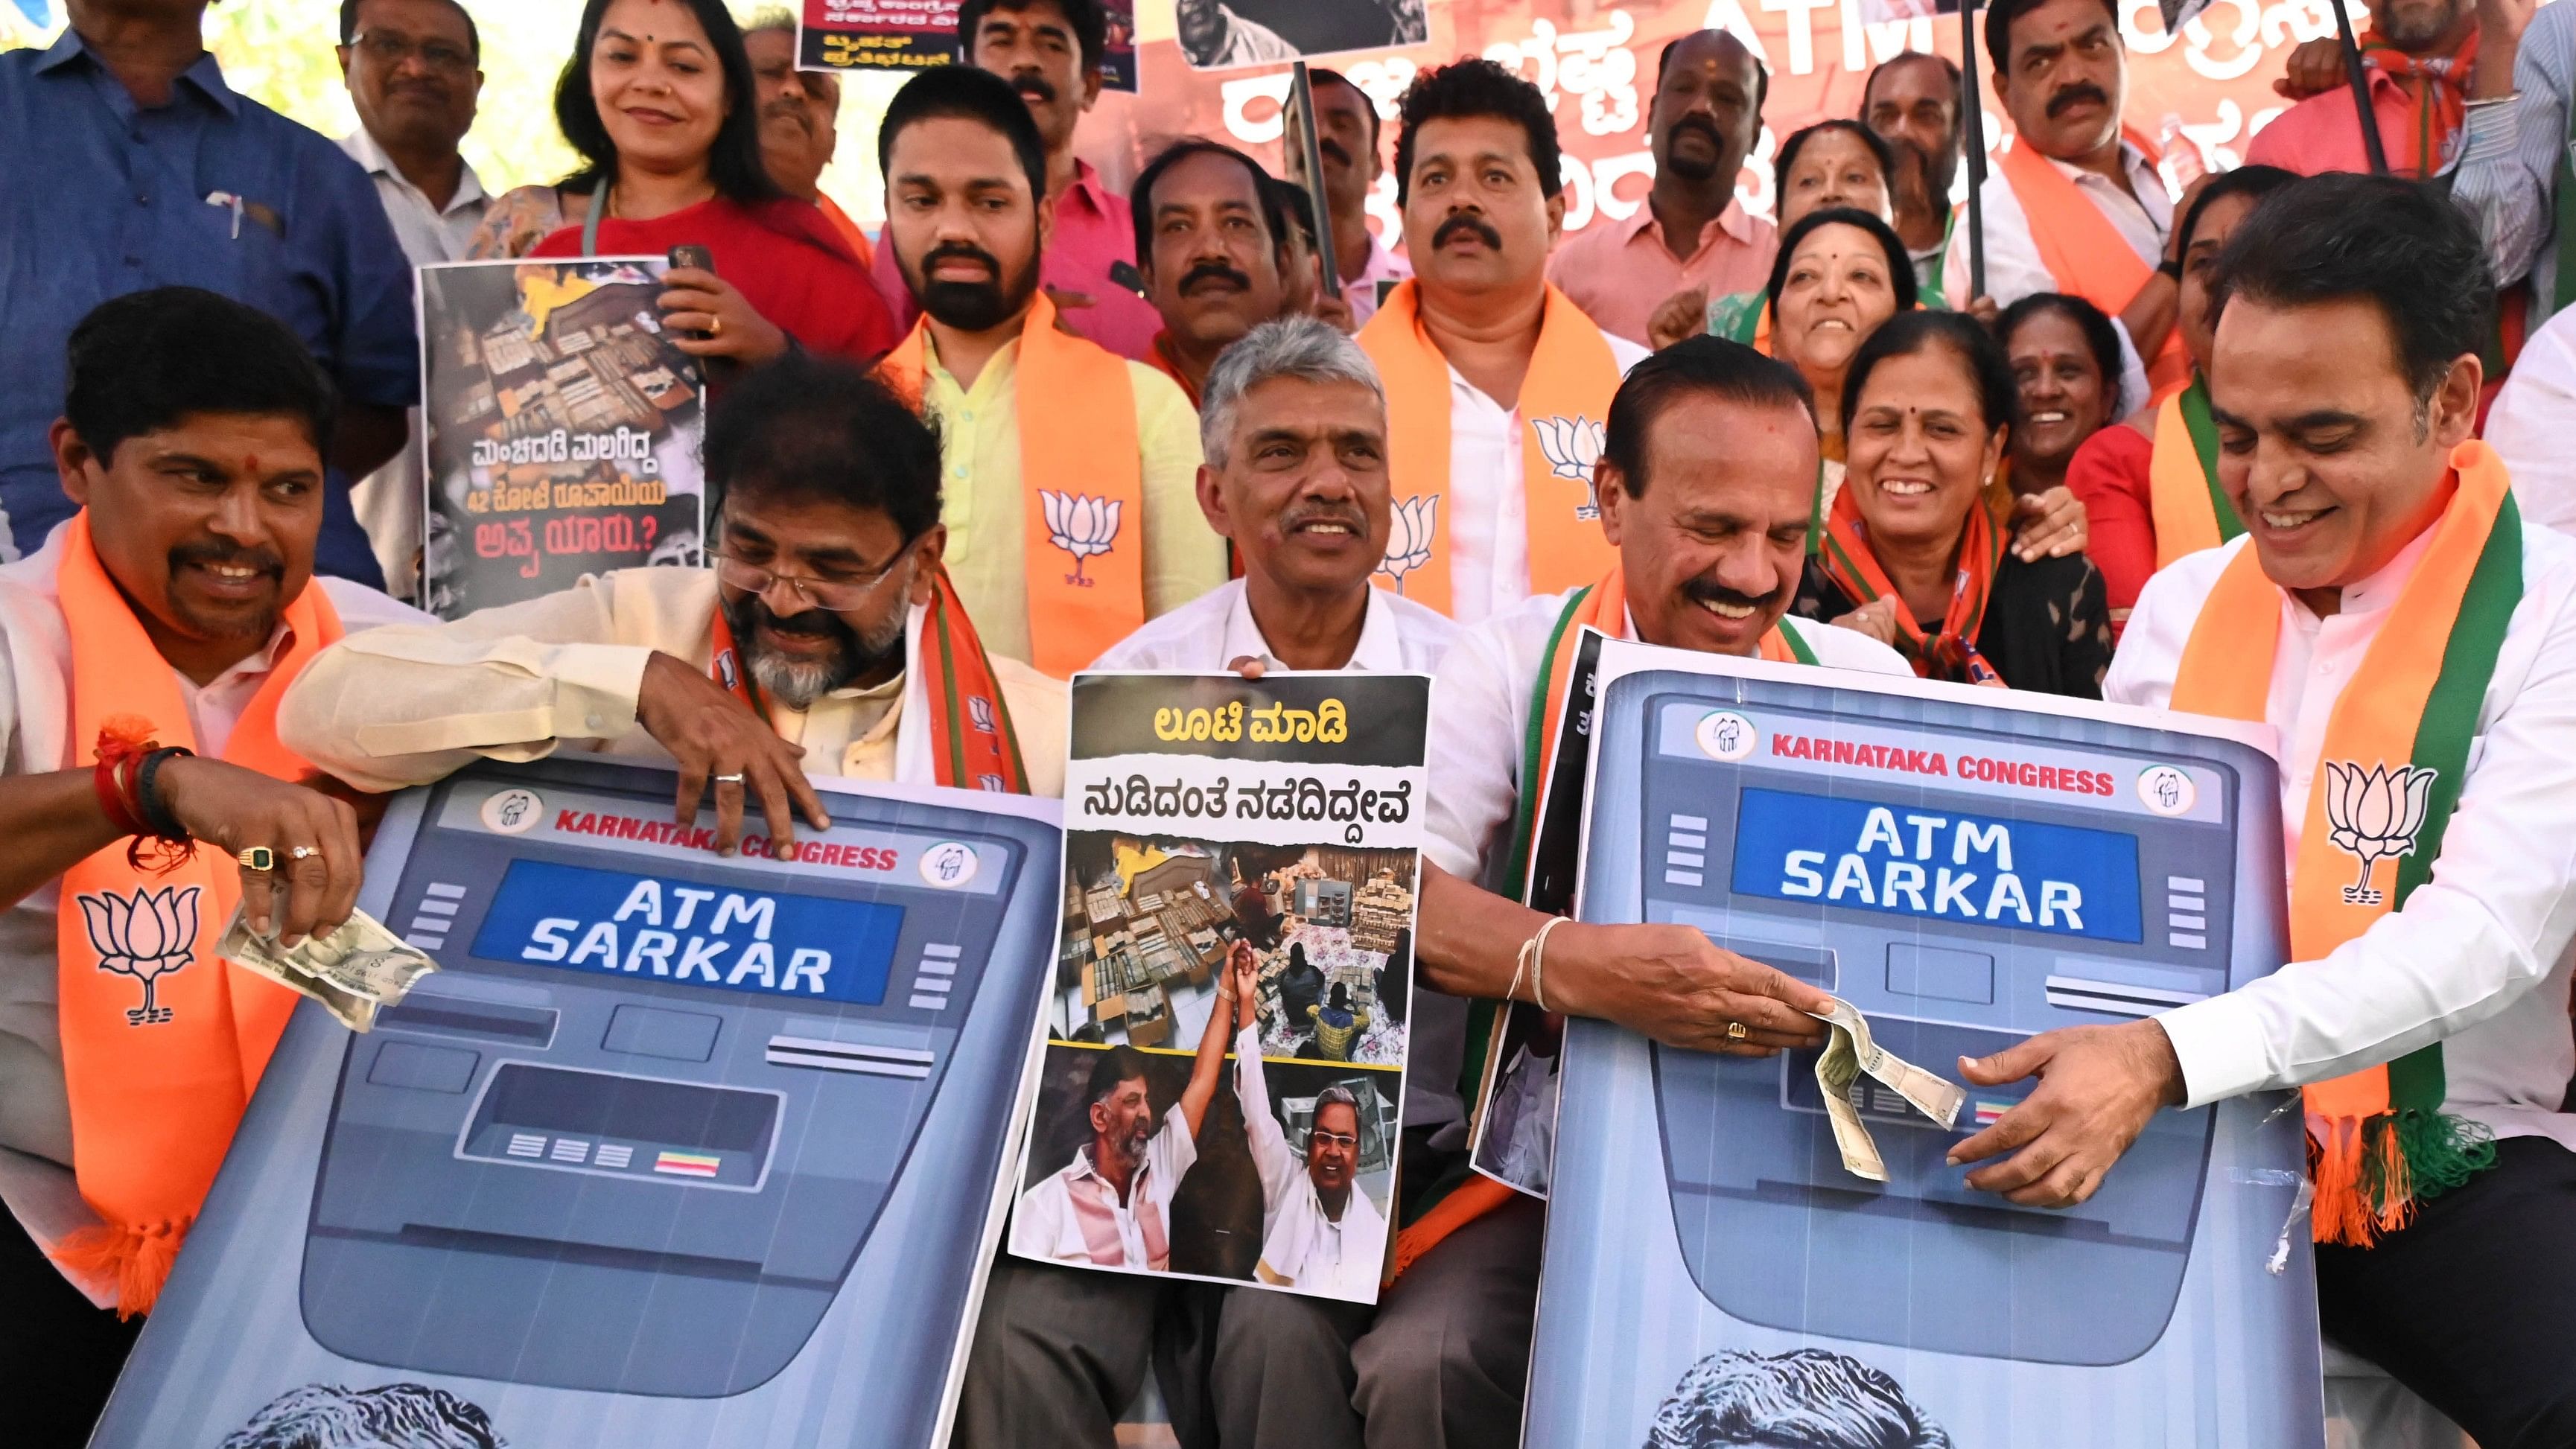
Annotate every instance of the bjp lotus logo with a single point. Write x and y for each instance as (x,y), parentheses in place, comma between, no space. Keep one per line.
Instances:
(2375,816)
(1572,447)
(145,936)
(1081,525)
(1411,525)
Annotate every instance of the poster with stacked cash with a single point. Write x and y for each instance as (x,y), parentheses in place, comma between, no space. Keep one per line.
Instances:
(1774,1250)
(1221,1073)
(912,34)
(672,1148)
(560,429)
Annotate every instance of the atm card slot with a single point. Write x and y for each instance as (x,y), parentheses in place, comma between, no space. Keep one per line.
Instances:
(2116,998)
(457,1016)
(846,1056)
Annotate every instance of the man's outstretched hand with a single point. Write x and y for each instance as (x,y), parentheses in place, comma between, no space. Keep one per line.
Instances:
(714,735)
(2098,1085)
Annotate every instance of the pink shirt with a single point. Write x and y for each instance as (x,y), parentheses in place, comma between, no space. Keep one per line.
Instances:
(1620,271)
(2321,133)
(1093,232)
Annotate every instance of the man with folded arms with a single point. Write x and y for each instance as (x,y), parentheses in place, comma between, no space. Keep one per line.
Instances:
(1068,469)
(1294,428)
(2412,639)
(826,640)
(167,616)
(1707,481)
(1496,382)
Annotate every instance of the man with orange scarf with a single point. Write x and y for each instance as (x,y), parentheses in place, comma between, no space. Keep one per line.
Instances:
(2076,206)
(1707,479)
(143,651)
(1496,382)
(2412,639)
(2426,67)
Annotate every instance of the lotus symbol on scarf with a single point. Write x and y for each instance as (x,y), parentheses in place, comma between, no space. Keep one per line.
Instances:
(1572,446)
(146,936)
(1411,525)
(1081,525)
(2375,815)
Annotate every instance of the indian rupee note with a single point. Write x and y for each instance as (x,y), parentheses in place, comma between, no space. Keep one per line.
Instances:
(1851,1052)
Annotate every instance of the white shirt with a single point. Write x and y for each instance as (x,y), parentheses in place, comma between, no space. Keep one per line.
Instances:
(2013,267)
(1383,266)
(1207,634)
(2527,426)
(35,1111)
(2478,957)
(1044,1225)
(1488,502)
(428,233)
(1302,1247)
(1480,709)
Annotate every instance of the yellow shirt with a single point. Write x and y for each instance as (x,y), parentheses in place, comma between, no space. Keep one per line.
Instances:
(983,505)
(416,703)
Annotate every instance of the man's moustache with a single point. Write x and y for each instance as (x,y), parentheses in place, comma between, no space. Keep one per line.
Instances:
(1332,150)
(1351,518)
(788,108)
(1703,126)
(202,555)
(959,252)
(1214,271)
(2074,95)
(1710,591)
(1467,221)
(1034,86)
(812,621)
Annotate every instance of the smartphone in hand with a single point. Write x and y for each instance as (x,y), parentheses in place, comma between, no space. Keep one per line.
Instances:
(689,254)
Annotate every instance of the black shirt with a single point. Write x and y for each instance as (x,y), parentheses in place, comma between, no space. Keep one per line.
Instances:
(2047,626)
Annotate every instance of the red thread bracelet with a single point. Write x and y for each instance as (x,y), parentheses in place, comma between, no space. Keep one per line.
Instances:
(122,743)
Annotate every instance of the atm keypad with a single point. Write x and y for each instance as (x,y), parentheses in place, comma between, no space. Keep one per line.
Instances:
(1685,850)
(934,977)
(435,916)
(2186,912)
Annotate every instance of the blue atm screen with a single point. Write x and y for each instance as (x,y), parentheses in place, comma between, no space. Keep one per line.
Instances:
(1911,861)
(768,942)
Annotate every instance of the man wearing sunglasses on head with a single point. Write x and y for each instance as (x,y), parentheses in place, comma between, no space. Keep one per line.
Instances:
(826,640)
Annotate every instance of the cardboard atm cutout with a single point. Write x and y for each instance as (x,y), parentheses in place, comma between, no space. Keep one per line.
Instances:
(1968,868)
(672,1149)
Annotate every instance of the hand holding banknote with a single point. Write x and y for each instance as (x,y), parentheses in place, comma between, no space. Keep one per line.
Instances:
(1852,1053)
(352,970)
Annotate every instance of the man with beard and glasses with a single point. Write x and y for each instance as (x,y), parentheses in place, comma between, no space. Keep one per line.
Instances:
(1496,382)
(2431,65)
(800,113)
(1912,102)
(1069,502)
(826,640)
(2076,206)
(1209,228)
(1346,137)
(1050,51)
(1692,235)
(1707,479)
(1294,427)
(166,616)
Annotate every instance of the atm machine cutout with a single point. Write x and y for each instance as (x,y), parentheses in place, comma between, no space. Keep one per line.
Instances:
(669,1139)
(1967,876)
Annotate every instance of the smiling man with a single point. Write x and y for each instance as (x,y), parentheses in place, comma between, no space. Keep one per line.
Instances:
(1707,480)
(1294,428)
(1692,234)
(2412,639)
(1213,239)
(1051,52)
(1069,505)
(2075,206)
(167,616)
(1496,382)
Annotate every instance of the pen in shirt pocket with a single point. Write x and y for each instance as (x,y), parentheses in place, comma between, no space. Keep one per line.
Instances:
(227,199)
(241,206)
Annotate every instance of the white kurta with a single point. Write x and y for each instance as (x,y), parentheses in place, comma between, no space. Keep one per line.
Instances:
(1301,1245)
(1046,1224)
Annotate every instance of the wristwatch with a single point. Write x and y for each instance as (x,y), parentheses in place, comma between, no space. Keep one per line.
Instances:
(2171,268)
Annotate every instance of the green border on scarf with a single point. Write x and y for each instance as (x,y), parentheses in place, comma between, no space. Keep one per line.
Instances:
(2203,428)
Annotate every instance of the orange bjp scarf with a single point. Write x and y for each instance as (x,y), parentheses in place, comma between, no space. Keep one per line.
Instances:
(977,748)
(1603,606)
(2082,250)
(1950,651)
(1082,485)
(163,1041)
(2189,508)
(2436,91)
(2390,770)
(1564,406)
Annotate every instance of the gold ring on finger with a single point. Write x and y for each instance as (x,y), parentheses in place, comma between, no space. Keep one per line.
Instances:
(715,327)
(1735,1031)
(258,857)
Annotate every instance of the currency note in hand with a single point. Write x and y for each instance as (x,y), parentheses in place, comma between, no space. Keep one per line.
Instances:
(1852,1052)
(352,970)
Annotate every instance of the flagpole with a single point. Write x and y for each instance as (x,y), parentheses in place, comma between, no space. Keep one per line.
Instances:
(1309,159)
(2359,80)
(1972,140)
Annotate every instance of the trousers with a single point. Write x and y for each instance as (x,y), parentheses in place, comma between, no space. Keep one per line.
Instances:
(59,1353)
(2473,1304)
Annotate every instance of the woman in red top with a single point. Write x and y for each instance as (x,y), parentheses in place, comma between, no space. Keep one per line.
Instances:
(659,100)
(2111,472)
